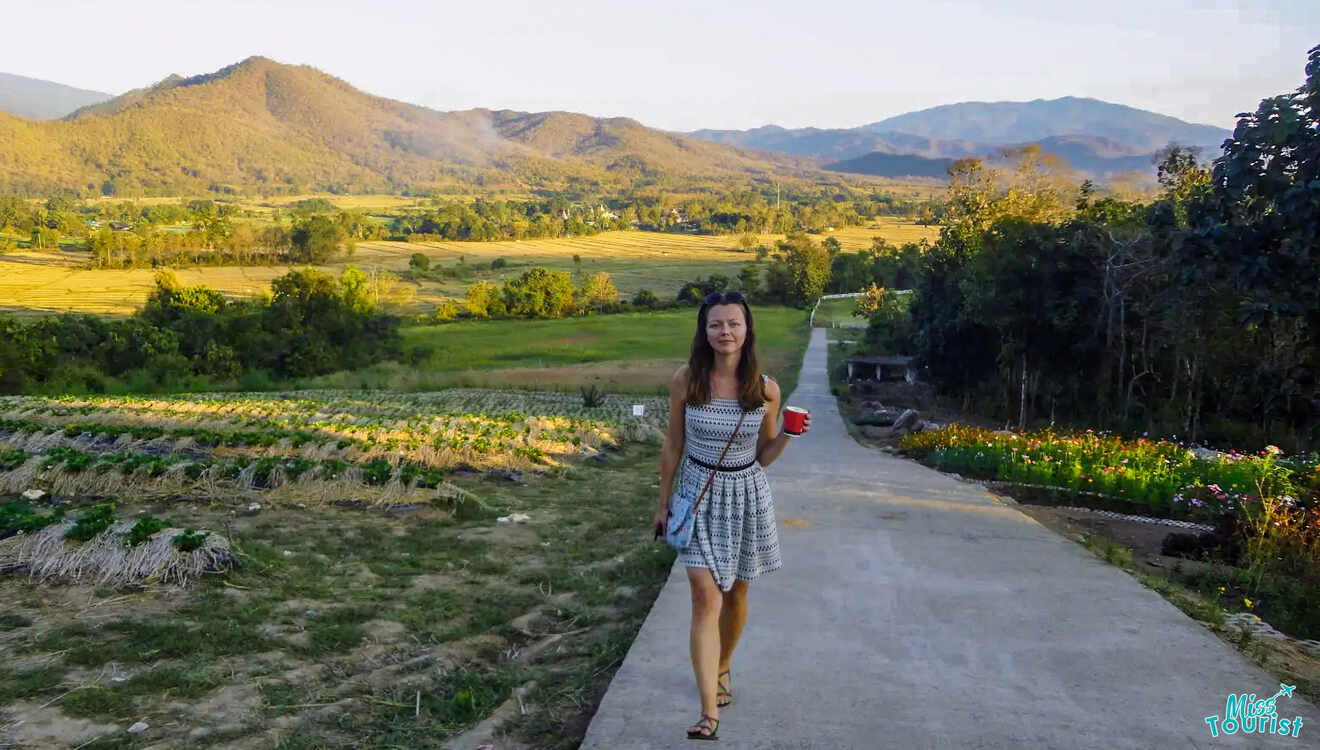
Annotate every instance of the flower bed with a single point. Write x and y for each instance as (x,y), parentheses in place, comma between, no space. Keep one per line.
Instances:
(1160,477)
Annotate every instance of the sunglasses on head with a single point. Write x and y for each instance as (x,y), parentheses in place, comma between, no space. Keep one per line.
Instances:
(724,298)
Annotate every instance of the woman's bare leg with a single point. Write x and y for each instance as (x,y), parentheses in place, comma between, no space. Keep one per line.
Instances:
(704,639)
(733,616)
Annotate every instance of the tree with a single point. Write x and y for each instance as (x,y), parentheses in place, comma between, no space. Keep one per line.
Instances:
(808,266)
(355,287)
(869,302)
(483,300)
(696,291)
(598,294)
(749,279)
(646,299)
(540,293)
(316,239)
(11,208)
(419,263)
(45,238)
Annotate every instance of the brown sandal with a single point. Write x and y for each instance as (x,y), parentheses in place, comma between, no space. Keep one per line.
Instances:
(721,691)
(699,735)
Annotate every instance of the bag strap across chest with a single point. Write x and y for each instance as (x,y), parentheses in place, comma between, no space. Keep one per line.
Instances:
(719,462)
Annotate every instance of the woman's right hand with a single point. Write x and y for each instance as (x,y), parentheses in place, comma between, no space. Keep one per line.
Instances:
(660,524)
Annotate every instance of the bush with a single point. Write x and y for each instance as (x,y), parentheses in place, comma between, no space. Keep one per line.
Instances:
(646,299)
(256,380)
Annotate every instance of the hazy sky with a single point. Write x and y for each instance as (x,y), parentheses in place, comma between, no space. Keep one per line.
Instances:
(684,65)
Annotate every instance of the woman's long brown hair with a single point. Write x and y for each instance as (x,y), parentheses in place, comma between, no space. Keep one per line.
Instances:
(701,362)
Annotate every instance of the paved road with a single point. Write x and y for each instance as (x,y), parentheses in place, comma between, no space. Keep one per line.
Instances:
(914,611)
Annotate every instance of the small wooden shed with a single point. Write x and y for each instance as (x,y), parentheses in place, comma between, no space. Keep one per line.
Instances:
(881,368)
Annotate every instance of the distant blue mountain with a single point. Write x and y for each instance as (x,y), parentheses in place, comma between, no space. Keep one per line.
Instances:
(36,99)
(893,165)
(1092,136)
(1017,122)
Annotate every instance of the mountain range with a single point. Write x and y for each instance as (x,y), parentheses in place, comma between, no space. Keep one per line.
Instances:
(260,124)
(1093,136)
(36,99)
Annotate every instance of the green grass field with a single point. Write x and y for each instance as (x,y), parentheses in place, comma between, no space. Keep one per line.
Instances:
(837,313)
(626,353)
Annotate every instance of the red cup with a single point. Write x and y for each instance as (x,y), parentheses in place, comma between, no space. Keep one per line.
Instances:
(795,418)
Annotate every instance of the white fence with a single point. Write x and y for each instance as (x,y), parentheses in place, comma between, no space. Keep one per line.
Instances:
(837,324)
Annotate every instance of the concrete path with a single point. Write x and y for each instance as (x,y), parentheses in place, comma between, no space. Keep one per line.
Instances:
(914,611)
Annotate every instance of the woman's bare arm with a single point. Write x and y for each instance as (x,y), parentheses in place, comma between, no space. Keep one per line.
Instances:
(672,452)
(770,441)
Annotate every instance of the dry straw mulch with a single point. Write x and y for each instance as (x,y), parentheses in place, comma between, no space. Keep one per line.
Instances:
(105,559)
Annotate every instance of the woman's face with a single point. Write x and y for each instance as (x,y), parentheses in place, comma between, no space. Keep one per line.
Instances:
(726,328)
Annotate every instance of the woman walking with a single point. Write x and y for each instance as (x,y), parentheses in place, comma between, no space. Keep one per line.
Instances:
(718,404)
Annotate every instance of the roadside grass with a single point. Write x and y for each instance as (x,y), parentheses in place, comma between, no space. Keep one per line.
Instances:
(358,627)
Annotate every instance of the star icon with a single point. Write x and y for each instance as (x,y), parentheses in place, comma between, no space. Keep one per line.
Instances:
(1287,689)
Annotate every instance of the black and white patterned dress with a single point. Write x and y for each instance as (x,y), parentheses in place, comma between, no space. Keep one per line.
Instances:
(735,534)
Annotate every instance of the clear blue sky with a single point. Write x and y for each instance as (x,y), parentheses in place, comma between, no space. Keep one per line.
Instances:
(684,65)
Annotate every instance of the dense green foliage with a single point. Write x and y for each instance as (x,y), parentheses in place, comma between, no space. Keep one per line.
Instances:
(1196,315)
(798,209)
(312,323)
(195,232)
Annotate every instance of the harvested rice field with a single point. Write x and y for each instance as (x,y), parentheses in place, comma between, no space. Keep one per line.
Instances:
(320,569)
(44,282)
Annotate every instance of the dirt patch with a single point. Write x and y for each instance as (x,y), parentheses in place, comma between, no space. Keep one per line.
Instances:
(49,727)
(434,582)
(1144,539)
(232,702)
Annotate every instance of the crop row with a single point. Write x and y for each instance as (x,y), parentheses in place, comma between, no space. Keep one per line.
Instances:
(24,518)
(427,449)
(202,436)
(356,406)
(244,470)
(415,431)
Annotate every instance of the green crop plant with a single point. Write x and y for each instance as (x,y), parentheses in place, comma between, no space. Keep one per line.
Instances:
(93,521)
(142,531)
